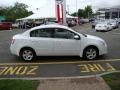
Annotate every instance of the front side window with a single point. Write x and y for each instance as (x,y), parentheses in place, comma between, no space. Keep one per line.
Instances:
(46,32)
(63,33)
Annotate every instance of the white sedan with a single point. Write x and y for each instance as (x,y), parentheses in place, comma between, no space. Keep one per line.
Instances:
(103,27)
(114,25)
(56,40)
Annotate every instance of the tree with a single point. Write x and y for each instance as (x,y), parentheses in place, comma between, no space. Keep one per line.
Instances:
(80,13)
(19,10)
(74,14)
(85,13)
(88,11)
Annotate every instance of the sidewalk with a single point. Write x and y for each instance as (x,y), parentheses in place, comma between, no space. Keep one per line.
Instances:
(93,83)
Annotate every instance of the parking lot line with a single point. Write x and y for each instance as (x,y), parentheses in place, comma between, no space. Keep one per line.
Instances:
(71,62)
(55,78)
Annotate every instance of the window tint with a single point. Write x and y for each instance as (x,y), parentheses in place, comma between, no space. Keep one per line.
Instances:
(62,33)
(41,33)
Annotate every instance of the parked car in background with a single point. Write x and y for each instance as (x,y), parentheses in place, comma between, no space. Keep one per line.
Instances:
(15,25)
(50,22)
(95,22)
(91,20)
(56,40)
(114,24)
(71,23)
(5,25)
(103,27)
(82,21)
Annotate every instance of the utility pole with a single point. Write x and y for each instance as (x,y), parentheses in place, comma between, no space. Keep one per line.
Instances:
(76,9)
(110,14)
(88,15)
(68,8)
(77,13)
(118,13)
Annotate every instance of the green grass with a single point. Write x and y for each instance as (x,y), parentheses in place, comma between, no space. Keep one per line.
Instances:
(18,85)
(113,80)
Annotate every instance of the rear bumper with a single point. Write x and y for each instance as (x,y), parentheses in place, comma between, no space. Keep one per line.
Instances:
(14,50)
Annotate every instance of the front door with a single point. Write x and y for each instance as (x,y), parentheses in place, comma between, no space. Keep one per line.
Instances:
(64,42)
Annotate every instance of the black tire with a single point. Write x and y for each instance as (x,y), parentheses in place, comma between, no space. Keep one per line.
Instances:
(93,26)
(97,31)
(27,54)
(94,53)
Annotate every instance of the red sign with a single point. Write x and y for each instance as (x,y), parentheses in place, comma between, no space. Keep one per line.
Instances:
(61,11)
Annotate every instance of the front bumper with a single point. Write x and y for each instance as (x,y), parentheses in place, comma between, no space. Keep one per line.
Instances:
(103,49)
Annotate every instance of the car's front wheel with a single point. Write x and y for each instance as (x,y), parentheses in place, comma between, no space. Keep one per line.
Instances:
(27,54)
(90,53)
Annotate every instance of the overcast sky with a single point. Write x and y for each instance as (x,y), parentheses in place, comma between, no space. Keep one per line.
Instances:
(50,4)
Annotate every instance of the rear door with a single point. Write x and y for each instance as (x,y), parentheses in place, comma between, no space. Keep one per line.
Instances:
(42,41)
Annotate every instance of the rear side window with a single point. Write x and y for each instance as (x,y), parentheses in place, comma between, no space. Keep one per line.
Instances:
(46,32)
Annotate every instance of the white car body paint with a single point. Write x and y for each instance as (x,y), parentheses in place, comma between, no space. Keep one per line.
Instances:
(54,46)
(103,27)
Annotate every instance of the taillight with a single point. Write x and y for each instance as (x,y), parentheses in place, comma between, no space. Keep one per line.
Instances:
(13,40)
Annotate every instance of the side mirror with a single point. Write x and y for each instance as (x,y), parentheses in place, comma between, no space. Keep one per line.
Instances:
(77,37)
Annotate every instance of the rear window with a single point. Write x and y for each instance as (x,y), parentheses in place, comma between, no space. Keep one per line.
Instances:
(41,33)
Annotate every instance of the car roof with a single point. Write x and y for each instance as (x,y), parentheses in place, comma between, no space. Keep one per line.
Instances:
(48,26)
(51,26)
(100,24)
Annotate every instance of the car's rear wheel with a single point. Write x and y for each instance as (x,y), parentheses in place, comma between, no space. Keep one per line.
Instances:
(90,53)
(27,54)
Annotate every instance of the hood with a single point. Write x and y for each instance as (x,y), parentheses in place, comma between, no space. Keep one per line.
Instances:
(94,37)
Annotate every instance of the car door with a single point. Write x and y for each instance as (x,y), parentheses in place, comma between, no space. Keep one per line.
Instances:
(64,42)
(42,41)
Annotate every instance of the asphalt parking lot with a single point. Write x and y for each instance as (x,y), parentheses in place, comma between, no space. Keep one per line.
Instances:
(12,66)
(58,70)
(112,39)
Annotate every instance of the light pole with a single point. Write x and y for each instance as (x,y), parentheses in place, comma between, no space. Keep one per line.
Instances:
(118,13)
(77,13)
(88,15)
(68,9)
(76,9)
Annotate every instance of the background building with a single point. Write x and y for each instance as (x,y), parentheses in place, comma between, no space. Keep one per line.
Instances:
(108,13)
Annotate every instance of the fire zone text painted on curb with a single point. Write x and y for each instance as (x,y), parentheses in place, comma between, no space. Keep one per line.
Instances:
(18,70)
(106,67)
